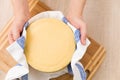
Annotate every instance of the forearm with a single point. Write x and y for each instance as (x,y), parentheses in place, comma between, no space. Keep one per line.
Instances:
(76,7)
(74,16)
(21,15)
(20,8)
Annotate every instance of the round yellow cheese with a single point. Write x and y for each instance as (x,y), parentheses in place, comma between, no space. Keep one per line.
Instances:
(49,45)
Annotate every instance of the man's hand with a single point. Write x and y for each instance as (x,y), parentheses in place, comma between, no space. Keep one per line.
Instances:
(21,14)
(74,15)
(78,23)
(16,29)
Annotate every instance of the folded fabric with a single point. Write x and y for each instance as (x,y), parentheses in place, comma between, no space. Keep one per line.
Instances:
(17,50)
(76,67)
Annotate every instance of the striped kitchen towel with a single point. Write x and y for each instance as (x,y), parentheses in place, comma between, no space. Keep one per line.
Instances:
(16,49)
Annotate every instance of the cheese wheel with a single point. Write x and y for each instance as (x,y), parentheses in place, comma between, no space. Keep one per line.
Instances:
(49,45)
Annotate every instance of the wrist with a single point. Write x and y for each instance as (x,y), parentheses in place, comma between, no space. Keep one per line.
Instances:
(71,15)
(19,21)
(76,21)
(24,16)
(21,18)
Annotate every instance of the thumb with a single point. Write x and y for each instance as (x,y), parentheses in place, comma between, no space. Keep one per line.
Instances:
(83,35)
(10,38)
(16,35)
(83,39)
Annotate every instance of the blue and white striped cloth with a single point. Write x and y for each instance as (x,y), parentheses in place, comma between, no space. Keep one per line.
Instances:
(17,50)
(76,67)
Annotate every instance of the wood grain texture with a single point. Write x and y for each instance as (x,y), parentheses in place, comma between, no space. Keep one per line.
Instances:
(103,20)
(6,60)
(91,60)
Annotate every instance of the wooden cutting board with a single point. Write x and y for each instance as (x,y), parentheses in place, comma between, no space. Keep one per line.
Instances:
(6,61)
(91,60)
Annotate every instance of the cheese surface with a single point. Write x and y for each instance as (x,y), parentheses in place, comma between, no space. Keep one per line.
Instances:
(49,45)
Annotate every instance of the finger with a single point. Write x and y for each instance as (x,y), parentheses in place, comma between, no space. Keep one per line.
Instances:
(83,39)
(83,35)
(16,35)
(10,38)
